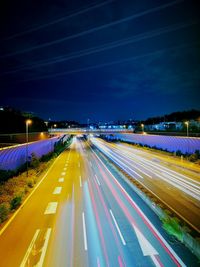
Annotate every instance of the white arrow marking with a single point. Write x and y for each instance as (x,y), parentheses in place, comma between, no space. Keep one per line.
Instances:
(147,248)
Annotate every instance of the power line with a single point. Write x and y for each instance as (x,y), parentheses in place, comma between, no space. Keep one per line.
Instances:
(34,29)
(104,47)
(92,30)
(158,52)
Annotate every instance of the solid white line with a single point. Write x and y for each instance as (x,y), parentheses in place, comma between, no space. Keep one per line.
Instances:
(84,231)
(24,261)
(155,261)
(80,181)
(57,190)
(51,208)
(97,180)
(44,249)
(61,180)
(23,204)
(117,226)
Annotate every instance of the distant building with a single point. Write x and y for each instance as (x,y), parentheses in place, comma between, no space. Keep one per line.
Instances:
(164,126)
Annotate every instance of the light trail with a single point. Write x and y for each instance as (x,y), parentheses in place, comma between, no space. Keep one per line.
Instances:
(129,161)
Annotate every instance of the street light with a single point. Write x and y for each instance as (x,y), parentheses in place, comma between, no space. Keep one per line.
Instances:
(142,125)
(28,122)
(187,125)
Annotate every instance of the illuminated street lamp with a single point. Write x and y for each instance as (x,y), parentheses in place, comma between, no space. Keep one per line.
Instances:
(28,122)
(142,125)
(187,125)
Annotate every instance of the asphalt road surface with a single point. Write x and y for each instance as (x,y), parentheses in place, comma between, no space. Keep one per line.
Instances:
(81,215)
(180,191)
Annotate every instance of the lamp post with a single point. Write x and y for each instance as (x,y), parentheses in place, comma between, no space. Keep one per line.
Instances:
(187,125)
(28,122)
(142,125)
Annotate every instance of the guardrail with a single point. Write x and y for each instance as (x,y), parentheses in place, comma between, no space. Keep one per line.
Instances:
(87,131)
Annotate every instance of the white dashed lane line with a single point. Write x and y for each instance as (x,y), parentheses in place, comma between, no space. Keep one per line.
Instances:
(51,208)
(117,226)
(84,231)
(57,190)
(80,181)
(97,180)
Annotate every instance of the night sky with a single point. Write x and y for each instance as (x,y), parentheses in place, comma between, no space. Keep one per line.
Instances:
(103,60)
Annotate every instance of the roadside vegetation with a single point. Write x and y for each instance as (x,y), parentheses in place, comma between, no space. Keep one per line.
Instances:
(15,185)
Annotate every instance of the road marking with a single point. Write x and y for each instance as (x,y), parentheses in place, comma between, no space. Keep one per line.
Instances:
(146,247)
(84,231)
(23,264)
(64,169)
(80,181)
(61,180)
(28,197)
(51,208)
(57,190)
(97,179)
(117,226)
(63,173)
(44,249)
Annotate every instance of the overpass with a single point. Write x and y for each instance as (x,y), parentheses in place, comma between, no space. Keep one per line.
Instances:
(87,131)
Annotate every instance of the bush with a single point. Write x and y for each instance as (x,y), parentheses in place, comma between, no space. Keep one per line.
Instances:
(5,175)
(34,161)
(172,226)
(15,202)
(4,210)
(30,182)
(193,158)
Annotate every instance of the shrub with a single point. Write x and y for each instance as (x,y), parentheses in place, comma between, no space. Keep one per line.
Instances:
(178,153)
(172,226)
(4,210)
(34,161)
(5,175)
(15,202)
(30,182)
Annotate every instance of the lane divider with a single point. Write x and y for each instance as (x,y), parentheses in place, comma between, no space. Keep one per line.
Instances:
(84,232)
(117,226)
(57,190)
(97,180)
(80,181)
(51,208)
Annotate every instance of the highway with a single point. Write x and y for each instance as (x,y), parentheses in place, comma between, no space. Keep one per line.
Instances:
(179,190)
(81,214)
